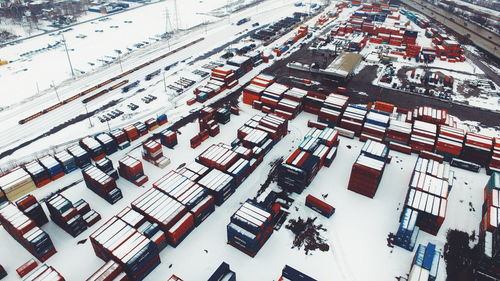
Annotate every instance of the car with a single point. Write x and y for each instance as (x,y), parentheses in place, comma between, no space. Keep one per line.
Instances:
(255,24)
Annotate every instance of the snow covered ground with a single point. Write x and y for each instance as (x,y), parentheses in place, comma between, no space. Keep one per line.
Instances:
(215,35)
(357,233)
(95,44)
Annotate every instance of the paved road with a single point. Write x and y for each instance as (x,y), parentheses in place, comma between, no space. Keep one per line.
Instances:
(479,62)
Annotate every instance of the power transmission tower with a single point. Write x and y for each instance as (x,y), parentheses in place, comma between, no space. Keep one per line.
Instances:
(168,25)
(177,20)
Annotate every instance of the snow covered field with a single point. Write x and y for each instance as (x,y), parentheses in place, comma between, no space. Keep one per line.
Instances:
(215,35)
(357,233)
(94,44)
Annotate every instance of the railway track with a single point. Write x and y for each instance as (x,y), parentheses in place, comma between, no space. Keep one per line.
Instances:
(102,84)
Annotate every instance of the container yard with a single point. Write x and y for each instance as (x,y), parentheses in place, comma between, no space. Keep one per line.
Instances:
(274,140)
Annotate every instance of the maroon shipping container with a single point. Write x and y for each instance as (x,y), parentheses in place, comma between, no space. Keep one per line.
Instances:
(26,268)
(320,206)
(180,230)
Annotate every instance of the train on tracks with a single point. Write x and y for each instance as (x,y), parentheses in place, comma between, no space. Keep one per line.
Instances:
(102,84)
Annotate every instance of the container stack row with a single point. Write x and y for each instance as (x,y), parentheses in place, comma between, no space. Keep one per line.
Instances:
(368,169)
(66,160)
(111,270)
(102,184)
(38,173)
(82,157)
(25,231)
(65,215)
(494,165)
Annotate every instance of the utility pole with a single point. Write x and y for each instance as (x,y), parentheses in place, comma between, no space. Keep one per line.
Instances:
(164,83)
(167,25)
(67,54)
(55,90)
(37,88)
(109,128)
(90,121)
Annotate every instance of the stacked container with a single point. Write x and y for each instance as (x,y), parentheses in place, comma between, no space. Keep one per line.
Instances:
(477,149)
(131,132)
(450,142)
(257,86)
(353,118)
(38,173)
(131,169)
(54,168)
(332,108)
(108,144)
(162,119)
(134,252)
(494,164)
(82,157)
(398,132)
(250,227)
(66,160)
(291,274)
(367,171)
(65,215)
(25,231)
(223,272)
(102,184)
(120,138)
(141,128)
(223,115)
(168,138)
(219,184)
(188,193)
(106,165)
(109,271)
(172,217)
(218,156)
(151,124)
(425,263)
(298,171)
(423,136)
(93,147)
(31,208)
(428,193)
(16,183)
(153,153)
(375,126)
(407,234)
(489,232)
(44,272)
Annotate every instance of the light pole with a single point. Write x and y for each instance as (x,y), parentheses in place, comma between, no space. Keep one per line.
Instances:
(120,62)
(164,83)
(55,90)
